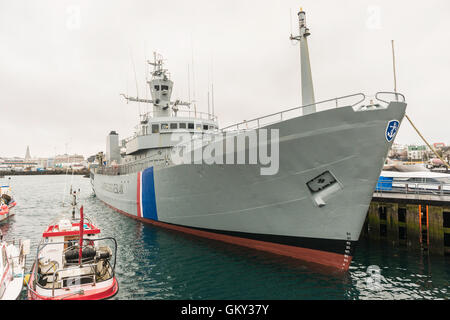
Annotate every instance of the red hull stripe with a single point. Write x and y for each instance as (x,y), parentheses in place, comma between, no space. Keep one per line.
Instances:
(330,259)
(138,200)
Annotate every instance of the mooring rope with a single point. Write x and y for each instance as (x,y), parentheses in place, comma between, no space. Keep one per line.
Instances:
(429,146)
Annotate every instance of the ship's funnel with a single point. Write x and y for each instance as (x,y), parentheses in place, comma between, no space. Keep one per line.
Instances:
(112,148)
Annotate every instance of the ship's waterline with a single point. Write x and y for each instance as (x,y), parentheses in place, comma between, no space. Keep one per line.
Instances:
(157,263)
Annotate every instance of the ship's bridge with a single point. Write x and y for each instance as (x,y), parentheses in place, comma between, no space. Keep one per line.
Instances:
(156,129)
(156,132)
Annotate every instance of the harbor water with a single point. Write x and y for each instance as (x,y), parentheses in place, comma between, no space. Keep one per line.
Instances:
(154,263)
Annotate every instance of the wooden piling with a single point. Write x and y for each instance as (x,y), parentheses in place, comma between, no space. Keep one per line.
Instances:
(446,223)
(413,224)
(392,223)
(436,229)
(374,221)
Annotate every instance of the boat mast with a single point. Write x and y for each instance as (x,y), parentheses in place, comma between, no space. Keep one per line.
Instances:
(306,75)
(161,90)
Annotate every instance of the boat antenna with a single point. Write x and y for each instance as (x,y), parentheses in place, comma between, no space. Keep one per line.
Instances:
(290,20)
(212,88)
(67,171)
(193,79)
(212,100)
(393,66)
(189,84)
(73,194)
(209,106)
(135,79)
(146,78)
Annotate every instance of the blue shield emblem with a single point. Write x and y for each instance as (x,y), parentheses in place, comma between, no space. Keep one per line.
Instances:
(391,129)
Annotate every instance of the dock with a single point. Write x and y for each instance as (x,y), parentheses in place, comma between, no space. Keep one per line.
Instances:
(416,219)
(84,172)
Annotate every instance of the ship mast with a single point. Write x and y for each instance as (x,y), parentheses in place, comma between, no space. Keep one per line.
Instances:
(161,90)
(306,75)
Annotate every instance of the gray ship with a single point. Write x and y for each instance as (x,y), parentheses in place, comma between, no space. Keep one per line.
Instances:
(296,183)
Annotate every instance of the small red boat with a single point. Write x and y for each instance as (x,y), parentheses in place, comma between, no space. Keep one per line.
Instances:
(73,263)
(6,202)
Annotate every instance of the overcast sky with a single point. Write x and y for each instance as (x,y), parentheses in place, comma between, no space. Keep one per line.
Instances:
(63,64)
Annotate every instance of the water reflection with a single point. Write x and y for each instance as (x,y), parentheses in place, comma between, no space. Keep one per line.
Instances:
(154,263)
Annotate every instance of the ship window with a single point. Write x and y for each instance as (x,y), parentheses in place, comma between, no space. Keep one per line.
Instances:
(174,126)
(190,126)
(205,127)
(155,128)
(199,126)
(164,87)
(211,127)
(164,126)
(157,88)
(182,125)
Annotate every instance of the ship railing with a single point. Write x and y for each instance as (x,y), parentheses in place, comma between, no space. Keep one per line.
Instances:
(290,113)
(413,188)
(128,139)
(42,245)
(90,276)
(17,261)
(338,102)
(87,219)
(398,96)
(22,255)
(193,114)
(130,167)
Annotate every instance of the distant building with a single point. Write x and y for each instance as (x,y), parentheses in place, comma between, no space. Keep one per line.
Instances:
(50,163)
(438,145)
(68,159)
(416,153)
(18,164)
(75,162)
(27,154)
(398,151)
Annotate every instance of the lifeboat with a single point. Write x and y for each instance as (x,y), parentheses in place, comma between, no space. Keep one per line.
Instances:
(73,262)
(12,267)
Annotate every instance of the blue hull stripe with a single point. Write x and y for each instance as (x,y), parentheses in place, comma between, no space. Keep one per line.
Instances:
(148,195)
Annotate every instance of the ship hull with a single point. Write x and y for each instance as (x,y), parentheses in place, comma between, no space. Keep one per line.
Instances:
(275,213)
